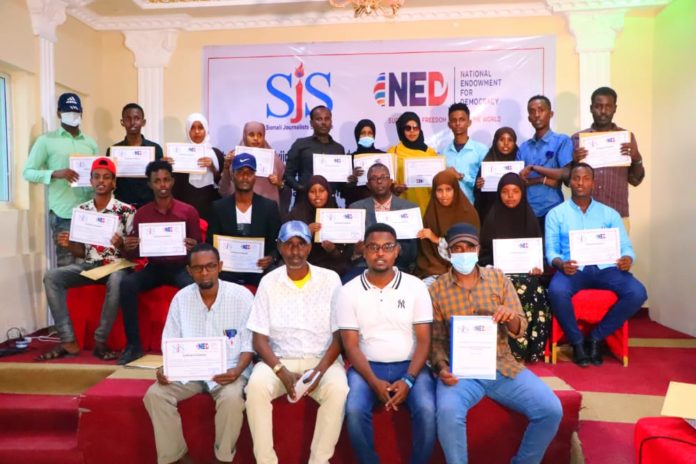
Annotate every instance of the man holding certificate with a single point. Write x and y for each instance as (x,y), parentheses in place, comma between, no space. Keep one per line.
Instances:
(208,308)
(57,281)
(470,290)
(163,231)
(589,258)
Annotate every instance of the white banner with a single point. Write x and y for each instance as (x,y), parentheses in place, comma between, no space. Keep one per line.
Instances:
(279,84)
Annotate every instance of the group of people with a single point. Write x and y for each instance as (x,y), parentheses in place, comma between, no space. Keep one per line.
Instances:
(383,304)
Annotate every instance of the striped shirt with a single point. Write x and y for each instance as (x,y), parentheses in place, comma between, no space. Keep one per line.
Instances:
(450,299)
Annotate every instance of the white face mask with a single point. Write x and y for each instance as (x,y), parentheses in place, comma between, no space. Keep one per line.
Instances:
(72,119)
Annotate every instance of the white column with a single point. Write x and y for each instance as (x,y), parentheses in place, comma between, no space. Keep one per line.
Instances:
(152,51)
(595,35)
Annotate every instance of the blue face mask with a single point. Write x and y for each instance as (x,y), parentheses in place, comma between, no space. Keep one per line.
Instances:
(464,263)
(366,142)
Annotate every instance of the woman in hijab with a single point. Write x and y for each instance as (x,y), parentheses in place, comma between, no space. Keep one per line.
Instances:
(511,217)
(411,145)
(448,206)
(200,190)
(329,255)
(503,148)
(365,139)
(254,135)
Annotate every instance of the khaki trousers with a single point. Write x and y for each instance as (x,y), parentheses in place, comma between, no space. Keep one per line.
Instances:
(264,386)
(161,403)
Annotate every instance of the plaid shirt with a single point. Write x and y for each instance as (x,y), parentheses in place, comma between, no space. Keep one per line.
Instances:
(450,299)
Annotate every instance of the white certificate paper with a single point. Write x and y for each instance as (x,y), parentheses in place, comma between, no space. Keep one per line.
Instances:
(265,158)
(406,222)
(239,254)
(92,228)
(604,148)
(492,171)
(189,359)
(340,225)
(162,239)
(186,156)
(82,165)
(595,246)
(366,160)
(131,161)
(419,172)
(473,347)
(518,255)
(335,168)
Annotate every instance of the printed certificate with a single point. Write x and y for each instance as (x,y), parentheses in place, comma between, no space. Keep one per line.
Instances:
(492,171)
(162,239)
(406,222)
(82,165)
(335,168)
(189,359)
(604,148)
(265,158)
(518,255)
(419,172)
(131,161)
(595,246)
(473,346)
(239,254)
(340,225)
(92,228)
(366,160)
(186,156)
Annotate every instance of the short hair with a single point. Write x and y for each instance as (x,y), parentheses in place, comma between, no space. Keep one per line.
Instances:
(458,107)
(604,92)
(318,107)
(201,248)
(157,165)
(133,106)
(378,166)
(379,227)
(579,165)
(543,98)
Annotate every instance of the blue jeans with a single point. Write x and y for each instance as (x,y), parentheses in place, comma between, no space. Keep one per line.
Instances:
(526,394)
(420,402)
(628,289)
(59,224)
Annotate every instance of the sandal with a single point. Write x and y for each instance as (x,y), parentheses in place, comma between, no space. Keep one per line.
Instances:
(56,353)
(103,353)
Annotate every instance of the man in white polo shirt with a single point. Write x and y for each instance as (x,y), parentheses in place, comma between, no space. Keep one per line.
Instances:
(294,332)
(385,318)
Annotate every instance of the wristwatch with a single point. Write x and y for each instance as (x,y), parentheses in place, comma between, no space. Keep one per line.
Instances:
(278,367)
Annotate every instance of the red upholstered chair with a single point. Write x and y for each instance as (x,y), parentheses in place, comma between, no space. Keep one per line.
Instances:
(664,439)
(590,307)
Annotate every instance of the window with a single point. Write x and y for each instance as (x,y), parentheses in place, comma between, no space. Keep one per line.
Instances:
(4,141)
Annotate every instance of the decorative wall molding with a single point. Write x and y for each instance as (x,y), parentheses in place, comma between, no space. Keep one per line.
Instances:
(46,16)
(588,5)
(596,30)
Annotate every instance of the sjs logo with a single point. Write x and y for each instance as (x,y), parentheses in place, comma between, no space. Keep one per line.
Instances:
(292,95)
(415,88)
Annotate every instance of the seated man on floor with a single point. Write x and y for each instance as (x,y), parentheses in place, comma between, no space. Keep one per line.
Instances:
(208,308)
(160,270)
(294,333)
(468,289)
(581,212)
(385,318)
(245,214)
(57,281)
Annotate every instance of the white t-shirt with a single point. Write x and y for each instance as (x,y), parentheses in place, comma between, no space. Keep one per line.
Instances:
(243,217)
(384,317)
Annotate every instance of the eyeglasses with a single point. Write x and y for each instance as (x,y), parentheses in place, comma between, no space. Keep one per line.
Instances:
(386,247)
(378,178)
(198,268)
(411,128)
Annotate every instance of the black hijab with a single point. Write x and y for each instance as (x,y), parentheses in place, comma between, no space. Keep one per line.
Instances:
(358,128)
(419,144)
(494,154)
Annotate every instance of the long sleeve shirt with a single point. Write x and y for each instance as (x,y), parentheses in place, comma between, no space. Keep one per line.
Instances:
(300,160)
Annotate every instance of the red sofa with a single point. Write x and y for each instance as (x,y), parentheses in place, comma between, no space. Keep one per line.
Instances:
(660,440)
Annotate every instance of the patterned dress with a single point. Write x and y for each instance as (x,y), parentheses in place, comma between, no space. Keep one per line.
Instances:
(533,296)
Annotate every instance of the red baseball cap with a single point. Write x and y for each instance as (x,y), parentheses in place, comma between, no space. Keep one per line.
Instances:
(104,163)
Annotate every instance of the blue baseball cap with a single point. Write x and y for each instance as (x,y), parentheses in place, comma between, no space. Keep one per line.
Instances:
(69,103)
(294,229)
(243,160)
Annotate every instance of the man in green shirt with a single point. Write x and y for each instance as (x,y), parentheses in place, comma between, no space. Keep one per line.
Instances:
(48,163)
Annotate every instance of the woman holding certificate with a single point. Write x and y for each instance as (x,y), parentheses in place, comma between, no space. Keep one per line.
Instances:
(199,190)
(365,132)
(329,255)
(503,149)
(411,145)
(511,217)
(448,206)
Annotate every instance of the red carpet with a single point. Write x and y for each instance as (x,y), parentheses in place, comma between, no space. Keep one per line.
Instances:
(642,327)
(606,442)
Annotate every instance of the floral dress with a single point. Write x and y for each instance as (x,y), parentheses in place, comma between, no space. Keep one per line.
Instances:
(533,296)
